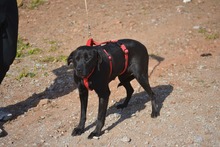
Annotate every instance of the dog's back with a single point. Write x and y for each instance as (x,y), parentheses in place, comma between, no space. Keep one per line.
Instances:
(138,54)
(135,47)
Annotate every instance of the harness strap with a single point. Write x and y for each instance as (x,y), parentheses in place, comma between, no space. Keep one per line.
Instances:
(91,42)
(110,62)
(125,50)
(86,80)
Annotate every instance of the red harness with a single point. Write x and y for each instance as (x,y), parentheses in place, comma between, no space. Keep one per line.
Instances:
(91,42)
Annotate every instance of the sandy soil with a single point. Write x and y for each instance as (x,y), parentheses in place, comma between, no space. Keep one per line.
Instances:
(40,93)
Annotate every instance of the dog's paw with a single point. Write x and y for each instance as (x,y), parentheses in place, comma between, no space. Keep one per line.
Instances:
(77,131)
(155,114)
(93,134)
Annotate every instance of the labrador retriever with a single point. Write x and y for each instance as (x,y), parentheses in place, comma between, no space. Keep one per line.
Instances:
(96,66)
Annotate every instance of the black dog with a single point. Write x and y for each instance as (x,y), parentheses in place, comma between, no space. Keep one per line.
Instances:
(92,65)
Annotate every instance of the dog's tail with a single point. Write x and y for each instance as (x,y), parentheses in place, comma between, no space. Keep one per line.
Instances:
(159,59)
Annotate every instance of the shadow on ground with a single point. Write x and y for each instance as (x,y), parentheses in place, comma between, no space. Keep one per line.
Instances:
(63,85)
(136,104)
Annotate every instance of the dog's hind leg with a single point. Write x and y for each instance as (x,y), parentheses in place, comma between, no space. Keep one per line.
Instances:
(144,82)
(129,91)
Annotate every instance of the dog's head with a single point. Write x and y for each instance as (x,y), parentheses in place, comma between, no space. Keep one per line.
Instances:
(84,60)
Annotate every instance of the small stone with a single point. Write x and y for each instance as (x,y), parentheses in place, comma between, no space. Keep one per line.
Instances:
(200,1)
(96,137)
(5,116)
(198,139)
(147,142)
(133,115)
(43,102)
(42,117)
(126,139)
(115,116)
(196,27)
(186,1)
(180,9)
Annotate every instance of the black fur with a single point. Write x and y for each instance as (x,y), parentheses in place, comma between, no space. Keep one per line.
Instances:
(86,58)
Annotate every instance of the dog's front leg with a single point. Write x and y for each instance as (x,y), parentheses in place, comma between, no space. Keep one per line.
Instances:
(83,94)
(103,104)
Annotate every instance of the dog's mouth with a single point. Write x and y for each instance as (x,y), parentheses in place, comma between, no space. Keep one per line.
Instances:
(80,74)
(85,75)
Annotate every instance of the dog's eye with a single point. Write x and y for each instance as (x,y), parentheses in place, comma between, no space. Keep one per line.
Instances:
(86,58)
(77,58)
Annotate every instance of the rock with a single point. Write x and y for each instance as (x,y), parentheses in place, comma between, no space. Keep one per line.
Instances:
(200,1)
(198,139)
(206,54)
(115,116)
(133,115)
(126,139)
(43,102)
(180,9)
(4,116)
(95,137)
(196,27)
(186,1)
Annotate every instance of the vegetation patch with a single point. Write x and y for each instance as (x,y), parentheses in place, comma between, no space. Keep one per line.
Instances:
(35,3)
(51,59)
(53,46)
(34,51)
(21,47)
(208,35)
(212,36)
(24,48)
(24,73)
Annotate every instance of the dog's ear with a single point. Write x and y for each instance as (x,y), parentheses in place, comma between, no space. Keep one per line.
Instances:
(99,57)
(70,58)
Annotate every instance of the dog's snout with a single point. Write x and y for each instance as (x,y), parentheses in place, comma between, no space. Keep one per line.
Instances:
(79,70)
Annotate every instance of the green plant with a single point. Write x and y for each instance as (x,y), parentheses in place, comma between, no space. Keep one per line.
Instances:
(202,30)
(35,3)
(34,51)
(208,35)
(62,58)
(24,73)
(212,36)
(53,46)
(24,48)
(49,59)
(46,74)
(21,46)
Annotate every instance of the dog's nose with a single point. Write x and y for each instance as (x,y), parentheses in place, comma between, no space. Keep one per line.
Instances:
(79,70)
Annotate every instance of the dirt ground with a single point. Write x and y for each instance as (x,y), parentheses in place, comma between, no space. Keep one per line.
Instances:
(183,41)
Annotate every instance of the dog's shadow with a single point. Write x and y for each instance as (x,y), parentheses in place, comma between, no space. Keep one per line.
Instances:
(62,85)
(136,104)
